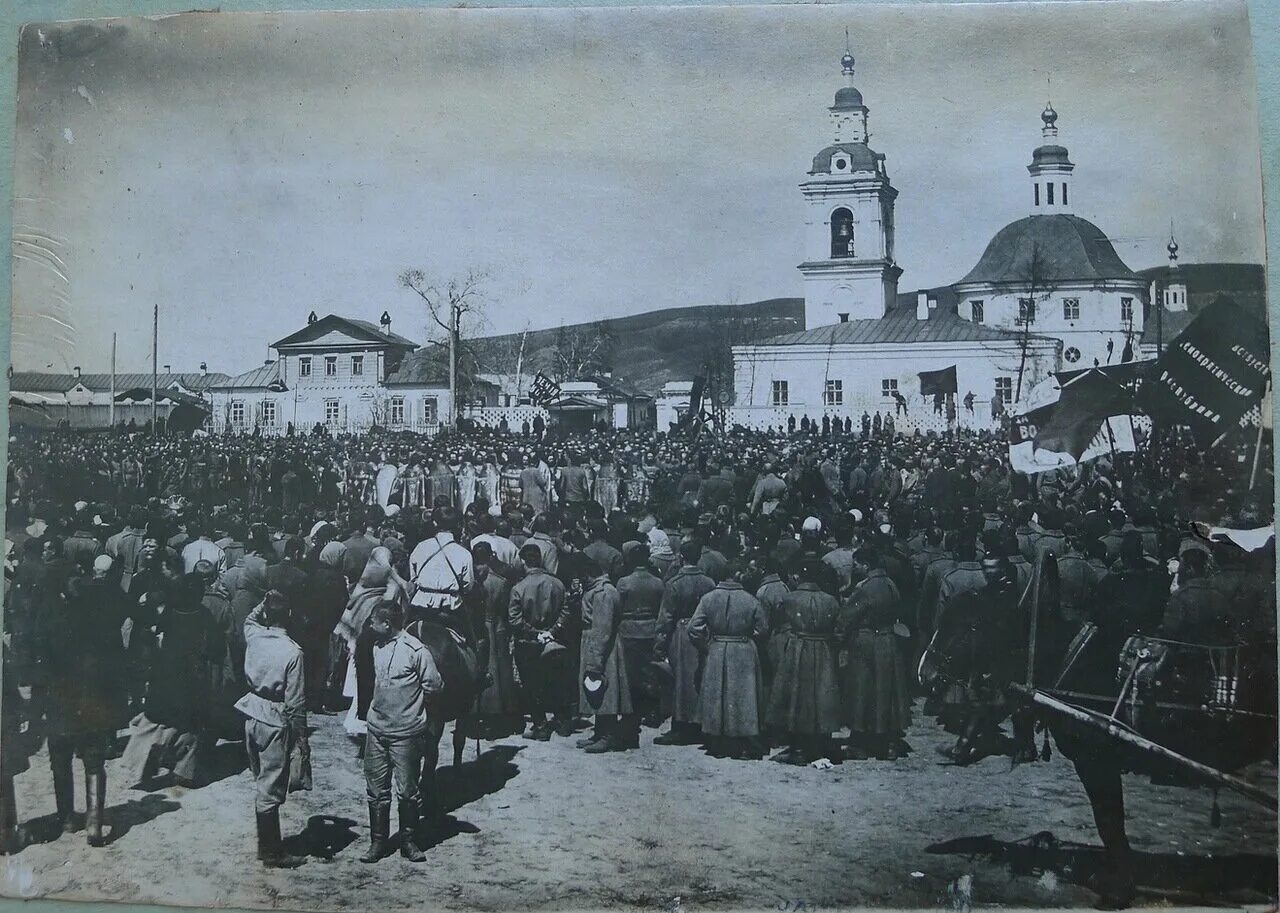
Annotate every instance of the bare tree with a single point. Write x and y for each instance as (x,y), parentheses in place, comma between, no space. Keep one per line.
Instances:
(457,308)
(1037,286)
(505,357)
(581,351)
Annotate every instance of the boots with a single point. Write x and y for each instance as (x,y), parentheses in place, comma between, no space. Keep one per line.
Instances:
(408,831)
(8,818)
(64,791)
(379,831)
(95,792)
(271,852)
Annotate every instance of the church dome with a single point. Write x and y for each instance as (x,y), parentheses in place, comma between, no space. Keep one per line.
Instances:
(1050,155)
(861,158)
(1070,249)
(847,98)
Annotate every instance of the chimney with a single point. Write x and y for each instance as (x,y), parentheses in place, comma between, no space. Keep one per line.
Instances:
(204,369)
(268,361)
(922,305)
(385,322)
(166,369)
(76,370)
(311,318)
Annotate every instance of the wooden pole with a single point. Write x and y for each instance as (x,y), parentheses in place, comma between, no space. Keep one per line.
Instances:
(155,367)
(1257,444)
(453,364)
(111,408)
(1121,734)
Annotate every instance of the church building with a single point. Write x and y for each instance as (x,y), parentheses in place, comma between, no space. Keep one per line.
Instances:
(1048,293)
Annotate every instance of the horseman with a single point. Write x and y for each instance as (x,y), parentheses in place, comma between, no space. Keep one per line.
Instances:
(441,569)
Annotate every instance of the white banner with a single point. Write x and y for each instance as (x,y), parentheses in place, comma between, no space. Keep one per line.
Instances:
(1115,435)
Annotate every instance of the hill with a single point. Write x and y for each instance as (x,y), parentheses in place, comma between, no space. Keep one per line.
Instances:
(649,349)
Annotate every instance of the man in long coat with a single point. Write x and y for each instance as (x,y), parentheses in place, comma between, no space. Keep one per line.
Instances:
(728,628)
(538,616)
(804,702)
(680,597)
(606,689)
(641,592)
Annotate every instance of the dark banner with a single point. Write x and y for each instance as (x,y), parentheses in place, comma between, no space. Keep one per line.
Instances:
(1213,372)
(544,390)
(1085,402)
(935,382)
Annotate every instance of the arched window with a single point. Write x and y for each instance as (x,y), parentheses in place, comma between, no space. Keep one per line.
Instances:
(842,233)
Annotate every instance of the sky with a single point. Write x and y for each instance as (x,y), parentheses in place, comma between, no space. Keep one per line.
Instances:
(241,170)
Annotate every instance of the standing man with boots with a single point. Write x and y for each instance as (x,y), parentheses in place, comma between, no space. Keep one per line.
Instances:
(679,600)
(276,711)
(79,660)
(538,616)
(405,675)
(641,592)
(606,693)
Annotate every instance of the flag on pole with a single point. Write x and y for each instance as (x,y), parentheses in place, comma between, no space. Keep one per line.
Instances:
(544,390)
(1213,372)
(935,382)
(1070,427)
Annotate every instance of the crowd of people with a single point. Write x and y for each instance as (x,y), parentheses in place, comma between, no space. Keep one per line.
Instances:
(755,593)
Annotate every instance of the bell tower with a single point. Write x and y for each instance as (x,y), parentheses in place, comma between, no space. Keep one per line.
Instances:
(849,270)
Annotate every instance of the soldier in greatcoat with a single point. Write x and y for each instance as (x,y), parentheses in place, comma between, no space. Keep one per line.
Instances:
(606,689)
(728,628)
(804,702)
(680,598)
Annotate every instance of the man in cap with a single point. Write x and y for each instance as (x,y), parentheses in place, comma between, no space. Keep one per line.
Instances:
(680,598)
(538,617)
(641,592)
(275,711)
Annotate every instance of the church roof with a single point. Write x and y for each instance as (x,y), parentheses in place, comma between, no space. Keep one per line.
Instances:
(1050,155)
(861,158)
(847,99)
(1070,249)
(900,325)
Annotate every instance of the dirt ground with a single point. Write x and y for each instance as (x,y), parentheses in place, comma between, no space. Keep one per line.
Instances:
(542,825)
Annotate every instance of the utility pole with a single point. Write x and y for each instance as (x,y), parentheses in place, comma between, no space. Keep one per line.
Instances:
(155,367)
(453,363)
(111,408)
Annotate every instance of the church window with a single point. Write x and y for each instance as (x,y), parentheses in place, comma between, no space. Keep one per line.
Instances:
(1048,187)
(304,366)
(1072,354)
(1004,389)
(1026,310)
(780,395)
(431,410)
(842,233)
(888,387)
(1126,310)
(1064,193)
(397,410)
(976,310)
(833,395)
(1070,308)
(331,366)
(1036,188)
(357,365)
(269,413)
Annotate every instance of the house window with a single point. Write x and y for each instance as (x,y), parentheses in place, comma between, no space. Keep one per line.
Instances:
(331,412)
(1070,308)
(976,310)
(304,366)
(833,395)
(1004,389)
(781,395)
(842,233)
(1126,310)
(269,413)
(397,410)
(237,414)
(357,365)
(1026,310)
(431,410)
(888,387)
(331,366)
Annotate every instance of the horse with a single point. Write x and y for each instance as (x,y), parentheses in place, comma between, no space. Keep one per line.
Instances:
(992,647)
(458,662)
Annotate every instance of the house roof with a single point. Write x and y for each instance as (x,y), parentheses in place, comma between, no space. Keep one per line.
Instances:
(1070,249)
(39,381)
(900,325)
(258,378)
(361,330)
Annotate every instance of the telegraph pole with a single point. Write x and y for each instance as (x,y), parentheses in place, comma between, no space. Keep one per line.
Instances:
(155,367)
(453,364)
(111,409)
